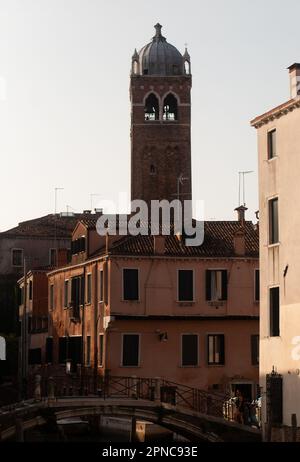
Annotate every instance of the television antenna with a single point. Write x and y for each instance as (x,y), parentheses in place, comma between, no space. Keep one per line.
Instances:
(242,186)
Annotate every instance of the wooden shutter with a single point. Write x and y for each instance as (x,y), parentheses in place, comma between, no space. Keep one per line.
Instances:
(130,350)
(185,285)
(62,350)
(224,284)
(221,339)
(189,350)
(208,284)
(49,350)
(254,349)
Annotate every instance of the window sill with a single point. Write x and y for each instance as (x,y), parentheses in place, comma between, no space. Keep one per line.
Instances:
(276,244)
(189,367)
(186,302)
(131,301)
(272,159)
(216,365)
(130,367)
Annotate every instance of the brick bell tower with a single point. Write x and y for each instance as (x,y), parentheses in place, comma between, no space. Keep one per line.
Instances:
(160,93)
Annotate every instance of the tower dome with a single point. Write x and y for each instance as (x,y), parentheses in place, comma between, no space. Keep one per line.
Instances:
(158,57)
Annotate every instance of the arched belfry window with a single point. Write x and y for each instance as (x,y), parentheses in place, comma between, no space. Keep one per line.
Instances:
(187,67)
(170,108)
(151,108)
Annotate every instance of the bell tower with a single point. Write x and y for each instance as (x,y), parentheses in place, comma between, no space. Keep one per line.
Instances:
(160,89)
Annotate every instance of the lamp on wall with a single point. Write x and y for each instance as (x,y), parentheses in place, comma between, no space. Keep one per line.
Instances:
(163,336)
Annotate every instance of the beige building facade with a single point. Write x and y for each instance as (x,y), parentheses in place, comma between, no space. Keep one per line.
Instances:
(279,192)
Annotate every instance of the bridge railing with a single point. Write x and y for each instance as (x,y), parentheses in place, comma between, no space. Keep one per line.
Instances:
(153,389)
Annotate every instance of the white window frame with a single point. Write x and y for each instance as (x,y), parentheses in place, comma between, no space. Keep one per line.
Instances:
(122,347)
(181,350)
(194,285)
(207,348)
(219,269)
(101,276)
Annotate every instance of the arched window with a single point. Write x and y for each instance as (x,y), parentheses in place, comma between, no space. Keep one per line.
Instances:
(187,67)
(151,108)
(170,108)
(135,67)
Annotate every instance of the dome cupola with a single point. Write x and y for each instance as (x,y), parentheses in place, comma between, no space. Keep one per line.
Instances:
(158,58)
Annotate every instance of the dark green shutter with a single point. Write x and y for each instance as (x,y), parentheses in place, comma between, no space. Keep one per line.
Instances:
(224,284)
(208,284)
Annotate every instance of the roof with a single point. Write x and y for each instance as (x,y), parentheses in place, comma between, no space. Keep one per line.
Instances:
(160,57)
(218,242)
(48,226)
(276,112)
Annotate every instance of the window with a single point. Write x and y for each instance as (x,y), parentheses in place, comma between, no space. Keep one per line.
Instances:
(101,286)
(51,297)
(77,294)
(272,144)
(151,107)
(62,350)
(30,290)
(101,349)
(89,289)
(170,107)
(78,245)
(273,221)
(49,350)
(66,293)
(88,350)
(189,350)
(34,356)
(216,349)
(216,285)
(274,312)
(256,285)
(254,350)
(130,284)
(130,353)
(17,257)
(52,257)
(185,285)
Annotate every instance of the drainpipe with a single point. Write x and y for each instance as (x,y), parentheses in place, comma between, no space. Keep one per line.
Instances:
(82,333)
(95,327)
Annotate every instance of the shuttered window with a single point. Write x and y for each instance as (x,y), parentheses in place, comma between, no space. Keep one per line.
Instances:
(257,287)
(274,312)
(62,350)
(101,349)
(216,285)
(35,356)
(130,355)
(49,350)
(66,294)
(189,350)
(216,349)
(273,221)
(130,284)
(272,144)
(255,350)
(89,289)
(101,286)
(185,285)
(88,350)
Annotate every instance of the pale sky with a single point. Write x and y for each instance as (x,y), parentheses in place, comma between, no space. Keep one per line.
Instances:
(64,95)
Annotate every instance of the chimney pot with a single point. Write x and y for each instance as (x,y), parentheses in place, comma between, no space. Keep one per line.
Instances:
(241,213)
(294,70)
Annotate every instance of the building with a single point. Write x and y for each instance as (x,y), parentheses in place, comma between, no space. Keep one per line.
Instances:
(279,163)
(36,242)
(160,94)
(150,305)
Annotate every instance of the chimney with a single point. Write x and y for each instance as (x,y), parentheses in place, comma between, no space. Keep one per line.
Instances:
(239,242)
(294,70)
(159,244)
(241,214)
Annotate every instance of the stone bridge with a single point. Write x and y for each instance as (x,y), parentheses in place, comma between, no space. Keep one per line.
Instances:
(198,416)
